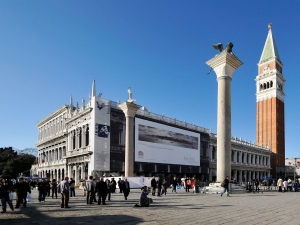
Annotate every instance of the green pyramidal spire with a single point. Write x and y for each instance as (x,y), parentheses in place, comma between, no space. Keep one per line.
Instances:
(270,49)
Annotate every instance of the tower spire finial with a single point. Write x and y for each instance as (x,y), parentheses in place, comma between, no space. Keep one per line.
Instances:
(270,25)
(94,88)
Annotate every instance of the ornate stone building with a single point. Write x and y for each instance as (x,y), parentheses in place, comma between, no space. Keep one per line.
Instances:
(248,161)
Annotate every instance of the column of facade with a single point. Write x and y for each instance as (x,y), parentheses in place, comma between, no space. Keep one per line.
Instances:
(235,156)
(129,109)
(76,174)
(241,176)
(82,171)
(250,176)
(235,174)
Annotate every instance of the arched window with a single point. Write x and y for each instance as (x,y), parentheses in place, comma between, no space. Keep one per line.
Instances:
(87,136)
(80,137)
(268,85)
(73,140)
(261,87)
(232,156)
(213,154)
(265,86)
(271,84)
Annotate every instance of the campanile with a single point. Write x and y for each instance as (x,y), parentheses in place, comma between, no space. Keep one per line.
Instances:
(270,103)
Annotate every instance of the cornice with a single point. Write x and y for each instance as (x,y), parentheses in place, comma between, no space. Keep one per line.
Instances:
(78,115)
(53,115)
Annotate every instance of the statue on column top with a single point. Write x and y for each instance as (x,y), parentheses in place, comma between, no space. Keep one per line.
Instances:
(130,96)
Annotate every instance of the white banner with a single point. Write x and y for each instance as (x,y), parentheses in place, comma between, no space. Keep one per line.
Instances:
(158,143)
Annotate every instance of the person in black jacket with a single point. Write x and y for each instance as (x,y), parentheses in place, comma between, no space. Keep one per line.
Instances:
(22,188)
(42,188)
(101,189)
(174,185)
(126,188)
(153,186)
(225,184)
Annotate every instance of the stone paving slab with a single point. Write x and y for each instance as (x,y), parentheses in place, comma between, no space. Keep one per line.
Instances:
(181,208)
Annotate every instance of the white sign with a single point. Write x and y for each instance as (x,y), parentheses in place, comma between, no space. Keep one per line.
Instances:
(158,143)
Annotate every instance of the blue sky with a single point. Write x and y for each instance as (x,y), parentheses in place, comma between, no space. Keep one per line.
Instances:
(50,50)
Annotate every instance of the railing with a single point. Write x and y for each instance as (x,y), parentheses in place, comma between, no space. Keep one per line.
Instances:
(79,151)
(155,116)
(52,163)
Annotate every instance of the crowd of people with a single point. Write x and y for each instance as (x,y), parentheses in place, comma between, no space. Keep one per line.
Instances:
(100,190)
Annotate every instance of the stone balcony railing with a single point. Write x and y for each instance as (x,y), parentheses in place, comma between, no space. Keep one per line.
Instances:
(80,151)
(53,163)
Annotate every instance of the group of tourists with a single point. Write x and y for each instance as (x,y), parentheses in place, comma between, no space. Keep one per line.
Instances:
(7,189)
(287,184)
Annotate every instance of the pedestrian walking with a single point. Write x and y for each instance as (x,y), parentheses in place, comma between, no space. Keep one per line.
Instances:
(54,188)
(64,190)
(101,190)
(153,186)
(42,188)
(7,189)
(174,185)
(159,186)
(72,187)
(279,184)
(90,189)
(22,188)
(165,186)
(225,185)
(126,188)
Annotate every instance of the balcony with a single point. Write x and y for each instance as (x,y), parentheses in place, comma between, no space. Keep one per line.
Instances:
(80,151)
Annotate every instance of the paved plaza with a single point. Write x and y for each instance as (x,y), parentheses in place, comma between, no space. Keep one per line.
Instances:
(181,208)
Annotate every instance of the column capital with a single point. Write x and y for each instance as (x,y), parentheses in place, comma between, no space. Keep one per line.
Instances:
(129,108)
(224,64)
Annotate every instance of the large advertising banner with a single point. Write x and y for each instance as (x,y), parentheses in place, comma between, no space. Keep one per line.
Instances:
(159,143)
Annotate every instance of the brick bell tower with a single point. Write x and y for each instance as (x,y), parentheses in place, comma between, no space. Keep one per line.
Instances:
(270,103)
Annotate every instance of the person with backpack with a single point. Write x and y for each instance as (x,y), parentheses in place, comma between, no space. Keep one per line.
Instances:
(64,189)
(225,185)
(90,189)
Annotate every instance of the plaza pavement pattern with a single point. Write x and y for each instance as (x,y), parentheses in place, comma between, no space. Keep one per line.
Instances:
(181,208)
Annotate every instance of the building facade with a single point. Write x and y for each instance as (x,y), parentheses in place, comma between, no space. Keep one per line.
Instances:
(90,140)
(270,130)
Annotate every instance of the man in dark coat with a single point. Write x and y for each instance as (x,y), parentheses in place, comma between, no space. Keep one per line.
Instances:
(120,184)
(113,185)
(22,188)
(42,188)
(153,186)
(174,185)
(101,189)
(126,188)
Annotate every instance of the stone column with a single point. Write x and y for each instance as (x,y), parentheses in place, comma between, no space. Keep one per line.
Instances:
(129,109)
(240,176)
(82,171)
(76,174)
(224,65)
